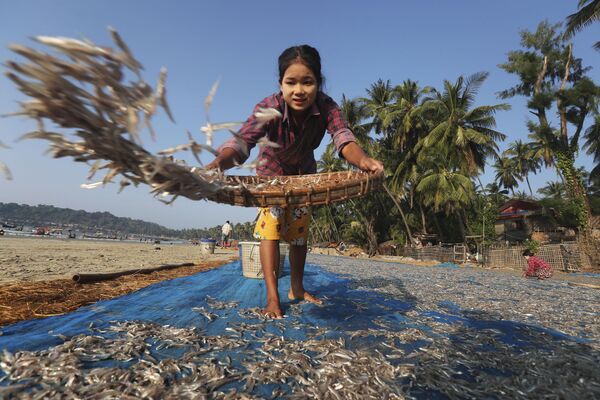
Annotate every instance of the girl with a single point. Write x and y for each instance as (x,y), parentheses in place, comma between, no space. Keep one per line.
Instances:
(536,267)
(306,114)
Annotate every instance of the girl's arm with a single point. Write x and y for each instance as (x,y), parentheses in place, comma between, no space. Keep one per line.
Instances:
(236,150)
(225,160)
(357,157)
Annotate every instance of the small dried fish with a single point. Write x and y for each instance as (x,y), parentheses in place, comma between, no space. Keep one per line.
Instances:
(264,115)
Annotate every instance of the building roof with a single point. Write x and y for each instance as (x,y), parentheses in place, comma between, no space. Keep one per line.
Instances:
(517,208)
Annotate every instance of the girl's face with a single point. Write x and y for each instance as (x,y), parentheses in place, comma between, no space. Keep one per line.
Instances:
(299,87)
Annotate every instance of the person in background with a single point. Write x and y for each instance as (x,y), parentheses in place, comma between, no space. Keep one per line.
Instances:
(306,114)
(536,267)
(225,232)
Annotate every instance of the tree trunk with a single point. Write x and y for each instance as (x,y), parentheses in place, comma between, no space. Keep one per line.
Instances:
(408,231)
(461,226)
(436,222)
(335,229)
(372,237)
(316,225)
(529,185)
(369,231)
(423,220)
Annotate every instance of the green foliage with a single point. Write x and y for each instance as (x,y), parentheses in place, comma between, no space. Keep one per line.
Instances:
(554,80)
(589,12)
(561,211)
(532,245)
(483,215)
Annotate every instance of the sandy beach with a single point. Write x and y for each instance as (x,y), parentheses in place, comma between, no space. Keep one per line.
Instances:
(26,259)
(37,272)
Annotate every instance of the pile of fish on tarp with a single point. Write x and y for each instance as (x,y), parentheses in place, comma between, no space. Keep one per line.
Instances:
(203,337)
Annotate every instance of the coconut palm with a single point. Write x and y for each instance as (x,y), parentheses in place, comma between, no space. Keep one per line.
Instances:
(466,134)
(592,143)
(355,112)
(553,189)
(402,120)
(495,194)
(523,160)
(506,174)
(444,190)
(589,12)
(380,94)
(330,161)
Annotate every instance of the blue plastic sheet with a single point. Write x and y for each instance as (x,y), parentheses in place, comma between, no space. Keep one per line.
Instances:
(171,302)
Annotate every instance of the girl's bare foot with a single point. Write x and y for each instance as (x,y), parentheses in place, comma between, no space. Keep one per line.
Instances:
(304,296)
(272,311)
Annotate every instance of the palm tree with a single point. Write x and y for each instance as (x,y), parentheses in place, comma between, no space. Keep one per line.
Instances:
(523,160)
(356,112)
(330,161)
(589,12)
(496,195)
(380,94)
(506,174)
(592,142)
(466,134)
(553,189)
(445,190)
(402,120)
(522,195)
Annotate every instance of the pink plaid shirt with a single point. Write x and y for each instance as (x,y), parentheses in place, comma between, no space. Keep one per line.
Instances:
(329,117)
(537,267)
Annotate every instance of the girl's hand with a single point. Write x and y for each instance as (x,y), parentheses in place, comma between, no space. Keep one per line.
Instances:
(224,161)
(370,165)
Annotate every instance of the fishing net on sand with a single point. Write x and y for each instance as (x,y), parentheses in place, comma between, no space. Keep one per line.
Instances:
(85,90)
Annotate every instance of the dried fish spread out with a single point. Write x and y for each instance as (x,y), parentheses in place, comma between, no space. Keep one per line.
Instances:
(420,357)
(85,90)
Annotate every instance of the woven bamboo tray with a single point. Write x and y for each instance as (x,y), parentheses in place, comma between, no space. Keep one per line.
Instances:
(298,190)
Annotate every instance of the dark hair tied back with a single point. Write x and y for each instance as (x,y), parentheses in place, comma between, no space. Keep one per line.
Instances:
(527,252)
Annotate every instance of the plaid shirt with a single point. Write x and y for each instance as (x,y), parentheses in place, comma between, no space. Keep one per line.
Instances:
(537,267)
(329,117)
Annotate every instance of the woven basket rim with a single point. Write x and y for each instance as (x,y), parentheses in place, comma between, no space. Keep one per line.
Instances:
(297,190)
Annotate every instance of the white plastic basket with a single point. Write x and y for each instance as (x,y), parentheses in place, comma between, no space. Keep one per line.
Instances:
(250,259)
(207,246)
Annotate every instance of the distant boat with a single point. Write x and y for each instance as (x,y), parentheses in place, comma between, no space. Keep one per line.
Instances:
(9,226)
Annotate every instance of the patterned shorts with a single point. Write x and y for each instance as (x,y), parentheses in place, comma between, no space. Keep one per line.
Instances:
(289,224)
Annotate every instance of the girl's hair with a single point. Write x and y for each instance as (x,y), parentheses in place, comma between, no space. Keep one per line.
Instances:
(309,56)
(527,252)
(304,54)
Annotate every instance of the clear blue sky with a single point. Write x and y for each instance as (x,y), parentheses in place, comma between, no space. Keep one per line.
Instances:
(198,41)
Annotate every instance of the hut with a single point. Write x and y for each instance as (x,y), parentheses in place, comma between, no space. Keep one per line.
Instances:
(518,219)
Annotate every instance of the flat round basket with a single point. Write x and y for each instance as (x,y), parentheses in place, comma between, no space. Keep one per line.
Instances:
(297,190)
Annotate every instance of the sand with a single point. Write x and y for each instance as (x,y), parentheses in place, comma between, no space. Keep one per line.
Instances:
(27,259)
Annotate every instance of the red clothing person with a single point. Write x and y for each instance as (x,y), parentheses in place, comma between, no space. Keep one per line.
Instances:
(536,267)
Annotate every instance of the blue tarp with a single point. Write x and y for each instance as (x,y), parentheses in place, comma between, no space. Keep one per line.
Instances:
(171,302)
